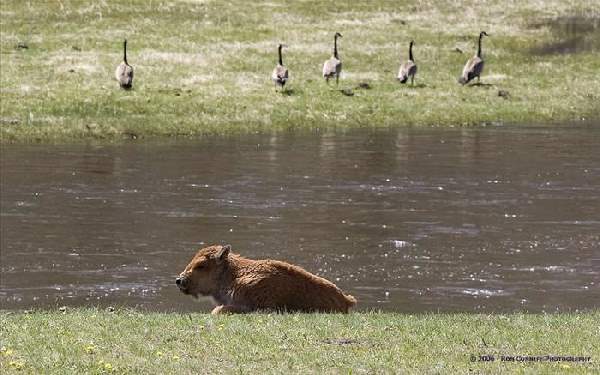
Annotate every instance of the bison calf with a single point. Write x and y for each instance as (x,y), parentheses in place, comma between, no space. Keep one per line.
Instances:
(240,285)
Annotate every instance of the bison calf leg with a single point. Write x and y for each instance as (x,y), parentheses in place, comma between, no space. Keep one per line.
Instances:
(228,309)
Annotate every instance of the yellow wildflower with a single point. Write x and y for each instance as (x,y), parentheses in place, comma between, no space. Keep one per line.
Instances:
(17,365)
(90,349)
(175,357)
(159,353)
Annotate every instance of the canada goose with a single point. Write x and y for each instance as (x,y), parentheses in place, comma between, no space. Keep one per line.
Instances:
(124,72)
(333,66)
(409,68)
(280,73)
(474,66)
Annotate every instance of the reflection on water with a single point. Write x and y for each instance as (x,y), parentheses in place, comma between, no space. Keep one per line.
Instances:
(485,219)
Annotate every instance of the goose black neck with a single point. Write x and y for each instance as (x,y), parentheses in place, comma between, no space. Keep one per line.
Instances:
(125,51)
(410,54)
(280,58)
(479,46)
(335,51)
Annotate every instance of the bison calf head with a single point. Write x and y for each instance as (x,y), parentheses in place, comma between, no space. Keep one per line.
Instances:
(203,273)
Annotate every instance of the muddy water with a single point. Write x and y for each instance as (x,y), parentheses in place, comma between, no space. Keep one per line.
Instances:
(486,219)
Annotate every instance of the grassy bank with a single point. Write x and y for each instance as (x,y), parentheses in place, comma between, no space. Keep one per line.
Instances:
(204,66)
(95,341)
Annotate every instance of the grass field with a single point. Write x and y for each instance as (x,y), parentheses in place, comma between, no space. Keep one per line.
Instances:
(204,66)
(96,341)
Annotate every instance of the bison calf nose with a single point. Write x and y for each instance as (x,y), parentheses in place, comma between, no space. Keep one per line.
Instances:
(181,282)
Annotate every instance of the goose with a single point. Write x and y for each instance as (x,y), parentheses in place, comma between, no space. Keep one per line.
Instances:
(409,68)
(474,66)
(333,66)
(280,73)
(124,72)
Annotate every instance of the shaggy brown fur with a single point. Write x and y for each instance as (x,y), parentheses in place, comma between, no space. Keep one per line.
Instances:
(240,285)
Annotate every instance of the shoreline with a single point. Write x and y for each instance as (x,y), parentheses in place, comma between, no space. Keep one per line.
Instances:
(128,137)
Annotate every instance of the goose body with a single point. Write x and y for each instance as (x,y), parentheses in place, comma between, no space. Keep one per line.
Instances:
(332,68)
(474,66)
(409,68)
(124,71)
(280,73)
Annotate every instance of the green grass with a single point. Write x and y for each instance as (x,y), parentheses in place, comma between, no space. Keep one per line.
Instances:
(203,67)
(96,341)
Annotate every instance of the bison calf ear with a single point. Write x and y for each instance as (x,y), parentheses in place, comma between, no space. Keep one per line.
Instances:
(223,253)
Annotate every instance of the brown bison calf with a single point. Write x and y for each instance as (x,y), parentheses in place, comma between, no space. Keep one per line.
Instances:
(241,285)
